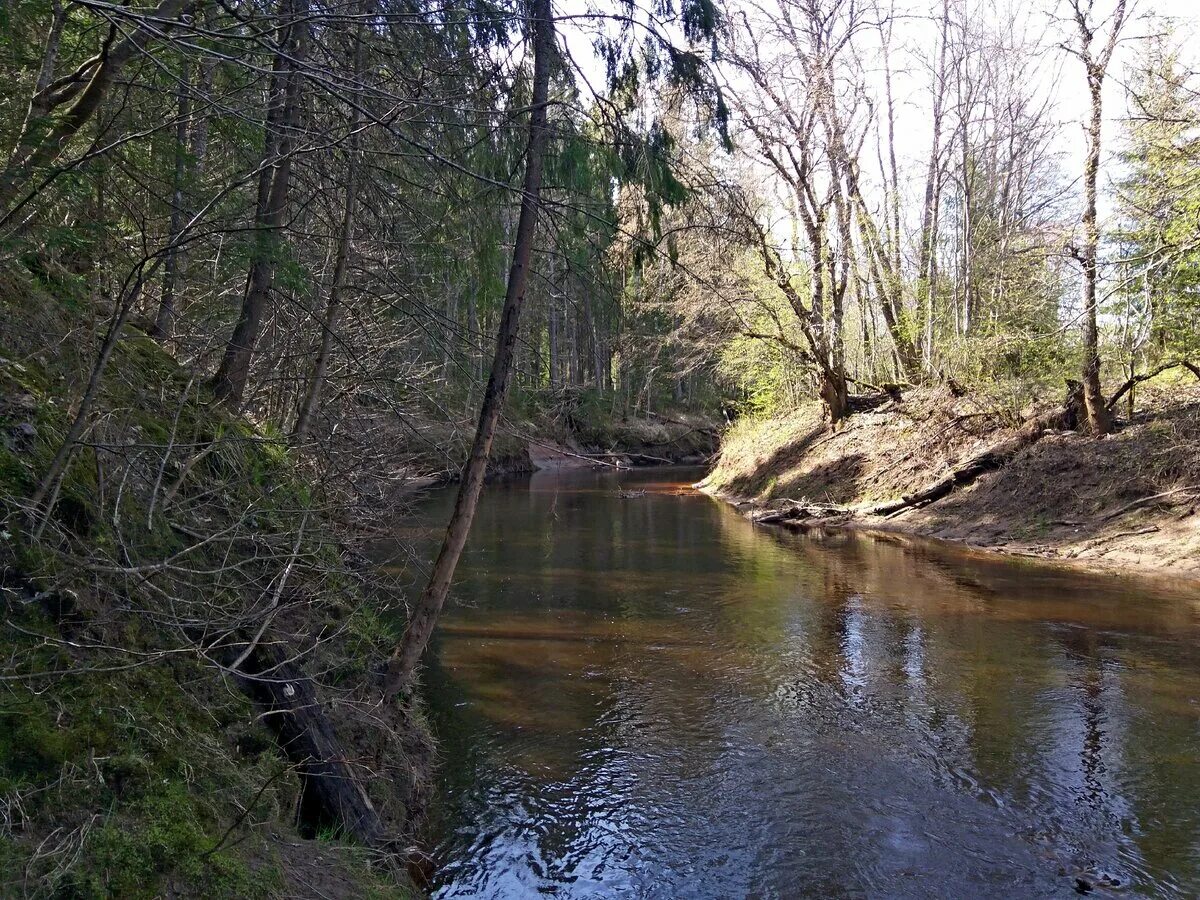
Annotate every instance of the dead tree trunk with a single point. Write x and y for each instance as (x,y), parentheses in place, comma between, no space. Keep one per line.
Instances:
(425,613)
(332,790)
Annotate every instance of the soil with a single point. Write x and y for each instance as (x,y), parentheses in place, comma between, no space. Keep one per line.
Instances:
(1129,501)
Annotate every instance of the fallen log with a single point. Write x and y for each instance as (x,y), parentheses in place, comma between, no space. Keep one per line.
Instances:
(990,458)
(860,403)
(1142,501)
(1146,376)
(332,792)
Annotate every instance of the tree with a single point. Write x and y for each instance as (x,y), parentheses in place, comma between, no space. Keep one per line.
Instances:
(1095,61)
(279,135)
(424,614)
(1158,202)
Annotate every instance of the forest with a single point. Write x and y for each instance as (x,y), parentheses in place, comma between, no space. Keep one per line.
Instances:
(269,269)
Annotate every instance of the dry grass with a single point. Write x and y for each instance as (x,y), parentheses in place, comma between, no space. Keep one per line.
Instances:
(1069,496)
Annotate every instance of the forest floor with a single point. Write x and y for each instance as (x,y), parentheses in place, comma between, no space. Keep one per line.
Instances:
(1127,502)
(134,761)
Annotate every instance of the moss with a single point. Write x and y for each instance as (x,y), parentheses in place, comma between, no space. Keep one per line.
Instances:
(140,767)
(164,837)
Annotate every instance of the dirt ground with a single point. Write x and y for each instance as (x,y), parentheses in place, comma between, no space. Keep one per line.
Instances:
(1129,501)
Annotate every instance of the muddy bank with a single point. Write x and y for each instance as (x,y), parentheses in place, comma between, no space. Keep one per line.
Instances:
(1127,502)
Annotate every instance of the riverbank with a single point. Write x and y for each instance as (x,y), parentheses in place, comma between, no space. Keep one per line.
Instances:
(595,438)
(189,704)
(1128,502)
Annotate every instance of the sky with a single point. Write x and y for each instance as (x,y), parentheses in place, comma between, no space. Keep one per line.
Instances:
(1056,76)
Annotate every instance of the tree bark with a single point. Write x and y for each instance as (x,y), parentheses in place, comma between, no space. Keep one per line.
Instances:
(229,384)
(308,738)
(1095,66)
(164,323)
(1099,421)
(316,383)
(424,616)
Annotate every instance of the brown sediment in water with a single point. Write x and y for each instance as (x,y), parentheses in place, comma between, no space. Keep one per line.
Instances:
(1129,502)
(762,712)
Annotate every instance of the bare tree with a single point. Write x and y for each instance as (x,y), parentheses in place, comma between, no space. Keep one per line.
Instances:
(1095,58)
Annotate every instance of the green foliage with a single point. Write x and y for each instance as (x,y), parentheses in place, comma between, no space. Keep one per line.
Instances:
(1159,254)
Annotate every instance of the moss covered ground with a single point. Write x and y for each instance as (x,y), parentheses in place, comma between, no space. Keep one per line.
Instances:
(131,764)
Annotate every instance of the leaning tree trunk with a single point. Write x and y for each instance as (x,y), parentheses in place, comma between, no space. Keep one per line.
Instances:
(424,615)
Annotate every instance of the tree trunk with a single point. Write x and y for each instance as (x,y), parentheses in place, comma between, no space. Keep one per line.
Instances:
(229,384)
(316,383)
(306,735)
(926,264)
(835,396)
(424,616)
(164,323)
(1099,421)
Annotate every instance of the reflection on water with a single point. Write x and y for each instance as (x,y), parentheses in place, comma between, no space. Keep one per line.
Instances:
(650,697)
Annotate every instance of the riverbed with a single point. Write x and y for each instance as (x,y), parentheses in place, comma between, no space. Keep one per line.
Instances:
(638,693)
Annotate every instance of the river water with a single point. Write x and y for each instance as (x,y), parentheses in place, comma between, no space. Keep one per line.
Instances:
(646,696)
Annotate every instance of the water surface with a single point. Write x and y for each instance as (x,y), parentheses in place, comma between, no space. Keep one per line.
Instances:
(646,696)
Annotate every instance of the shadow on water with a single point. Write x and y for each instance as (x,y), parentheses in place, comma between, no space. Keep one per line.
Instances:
(647,696)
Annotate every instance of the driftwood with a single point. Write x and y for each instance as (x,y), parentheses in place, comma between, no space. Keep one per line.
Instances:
(628,454)
(798,512)
(332,792)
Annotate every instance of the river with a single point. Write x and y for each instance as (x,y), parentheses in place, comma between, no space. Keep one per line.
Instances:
(646,696)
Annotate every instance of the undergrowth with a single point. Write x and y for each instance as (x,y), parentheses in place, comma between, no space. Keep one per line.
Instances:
(132,764)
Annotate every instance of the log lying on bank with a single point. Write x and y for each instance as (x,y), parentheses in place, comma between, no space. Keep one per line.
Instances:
(332,792)
(880,395)
(989,459)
